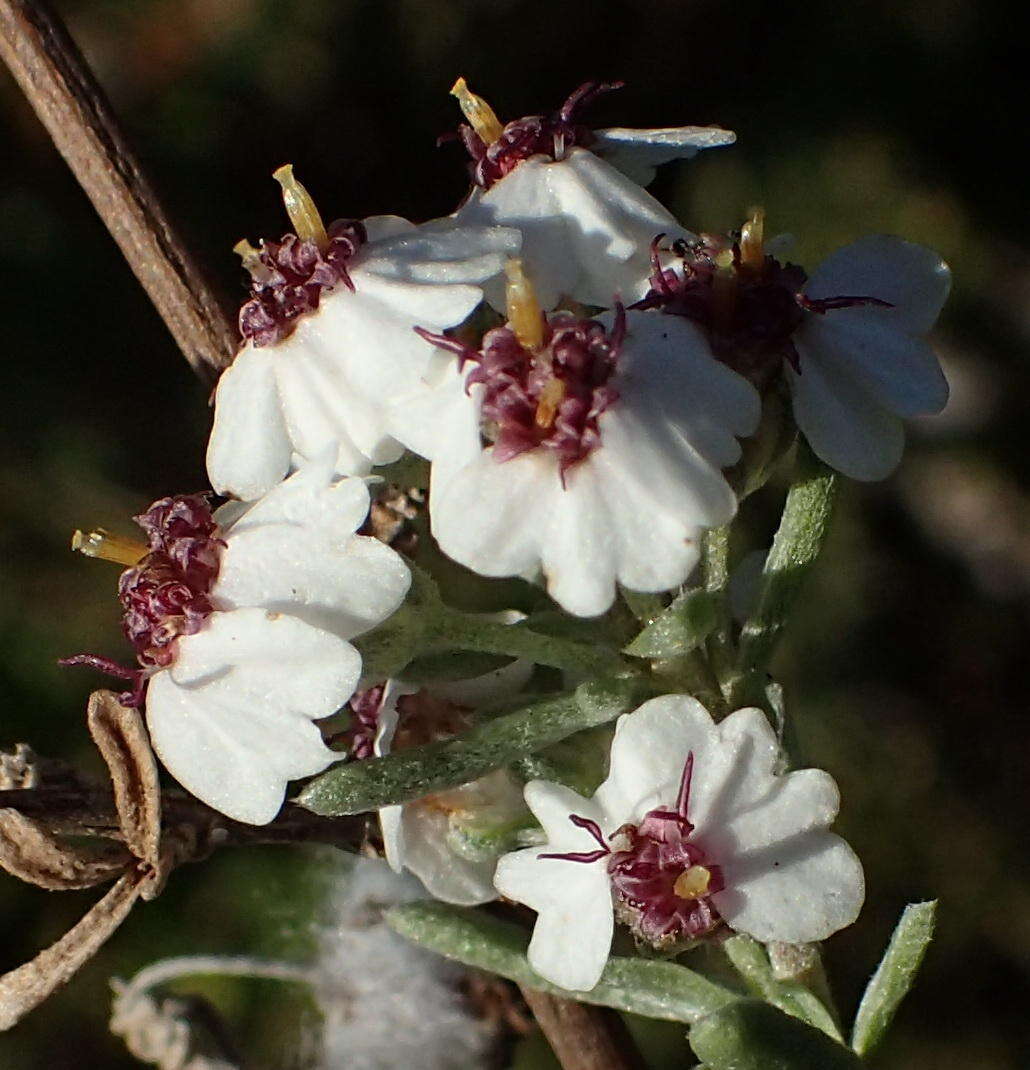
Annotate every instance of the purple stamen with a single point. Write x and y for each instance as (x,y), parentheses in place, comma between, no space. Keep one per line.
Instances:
(293,275)
(683,799)
(584,856)
(551,397)
(822,305)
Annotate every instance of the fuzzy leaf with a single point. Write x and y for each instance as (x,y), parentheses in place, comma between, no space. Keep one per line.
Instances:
(752,1035)
(356,787)
(894,976)
(680,628)
(641,986)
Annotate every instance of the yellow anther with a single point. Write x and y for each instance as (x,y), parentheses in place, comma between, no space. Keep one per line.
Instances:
(251,257)
(480,115)
(108,547)
(547,404)
(524,313)
(307,223)
(693,883)
(752,251)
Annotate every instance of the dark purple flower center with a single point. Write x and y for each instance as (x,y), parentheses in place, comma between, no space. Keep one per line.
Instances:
(662,883)
(550,397)
(421,718)
(165,595)
(749,312)
(288,278)
(533,135)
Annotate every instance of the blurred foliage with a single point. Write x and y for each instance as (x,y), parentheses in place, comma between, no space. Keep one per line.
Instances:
(906,669)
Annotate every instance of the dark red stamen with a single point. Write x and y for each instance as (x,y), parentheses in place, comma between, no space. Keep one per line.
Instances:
(292,277)
(521,409)
(584,856)
(683,799)
(533,135)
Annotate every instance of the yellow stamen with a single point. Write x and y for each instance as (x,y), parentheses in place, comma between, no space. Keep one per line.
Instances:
(693,883)
(108,547)
(547,405)
(307,223)
(251,257)
(480,115)
(525,316)
(752,234)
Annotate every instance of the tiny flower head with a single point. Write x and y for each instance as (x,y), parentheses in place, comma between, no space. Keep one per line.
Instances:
(589,449)
(692,830)
(585,225)
(849,339)
(328,336)
(240,621)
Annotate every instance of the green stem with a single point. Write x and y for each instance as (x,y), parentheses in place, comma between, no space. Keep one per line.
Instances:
(715,572)
(799,539)
(453,630)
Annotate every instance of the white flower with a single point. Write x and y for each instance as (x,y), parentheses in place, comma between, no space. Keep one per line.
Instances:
(863,368)
(692,826)
(587,226)
(611,479)
(231,712)
(417,835)
(326,382)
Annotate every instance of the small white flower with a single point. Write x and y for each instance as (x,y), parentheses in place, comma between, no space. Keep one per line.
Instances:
(586,224)
(863,368)
(242,629)
(330,337)
(602,463)
(692,826)
(417,836)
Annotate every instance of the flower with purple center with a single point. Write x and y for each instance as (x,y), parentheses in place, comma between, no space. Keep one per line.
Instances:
(754,854)
(241,622)
(328,338)
(849,340)
(586,221)
(590,450)
(428,836)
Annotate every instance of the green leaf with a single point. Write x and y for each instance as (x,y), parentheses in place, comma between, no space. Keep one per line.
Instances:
(752,1035)
(894,976)
(579,762)
(642,986)
(799,539)
(679,629)
(752,963)
(356,787)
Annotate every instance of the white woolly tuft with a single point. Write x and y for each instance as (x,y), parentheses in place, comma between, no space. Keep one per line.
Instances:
(387,1003)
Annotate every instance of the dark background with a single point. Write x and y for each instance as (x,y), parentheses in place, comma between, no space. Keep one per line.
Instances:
(906,669)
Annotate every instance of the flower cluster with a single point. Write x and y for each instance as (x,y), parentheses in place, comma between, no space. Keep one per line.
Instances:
(582,376)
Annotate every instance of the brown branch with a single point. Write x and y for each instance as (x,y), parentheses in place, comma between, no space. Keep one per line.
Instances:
(91,812)
(583,1037)
(71,105)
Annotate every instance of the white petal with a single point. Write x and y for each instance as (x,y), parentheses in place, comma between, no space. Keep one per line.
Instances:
(648,755)
(523,199)
(232,718)
(443,252)
(391,824)
(578,553)
(844,424)
(487,516)
(637,153)
(249,450)
(612,222)
(914,279)
(381,228)
(424,850)
(552,804)
(573,900)
(901,371)
(310,498)
(804,890)
(346,586)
